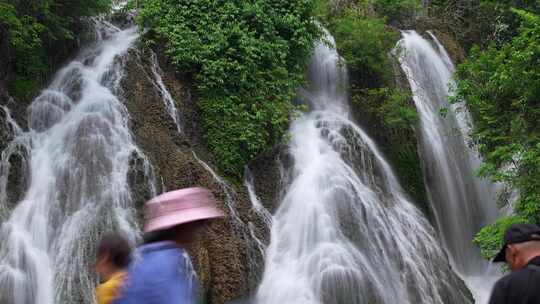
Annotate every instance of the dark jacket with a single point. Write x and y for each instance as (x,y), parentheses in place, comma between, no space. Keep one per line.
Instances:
(520,287)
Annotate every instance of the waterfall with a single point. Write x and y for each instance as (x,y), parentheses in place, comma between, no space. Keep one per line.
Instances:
(161,88)
(256,204)
(79,149)
(462,203)
(262,213)
(345,232)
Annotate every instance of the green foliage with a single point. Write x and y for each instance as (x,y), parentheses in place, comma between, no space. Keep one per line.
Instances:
(247,58)
(490,238)
(481,22)
(390,105)
(501,86)
(365,43)
(33,30)
(397,10)
(396,109)
(321,10)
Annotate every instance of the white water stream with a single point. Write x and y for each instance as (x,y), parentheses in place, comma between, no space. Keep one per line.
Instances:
(161,88)
(345,232)
(462,202)
(79,148)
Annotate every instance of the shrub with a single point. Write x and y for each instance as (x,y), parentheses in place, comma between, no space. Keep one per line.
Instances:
(34,29)
(391,106)
(247,59)
(397,10)
(365,43)
(501,86)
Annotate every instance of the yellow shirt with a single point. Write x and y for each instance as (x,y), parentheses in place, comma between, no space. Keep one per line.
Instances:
(108,291)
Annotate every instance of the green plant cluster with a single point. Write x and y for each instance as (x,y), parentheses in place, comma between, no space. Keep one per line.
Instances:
(365,43)
(501,86)
(399,11)
(247,59)
(389,105)
(396,12)
(34,30)
(480,22)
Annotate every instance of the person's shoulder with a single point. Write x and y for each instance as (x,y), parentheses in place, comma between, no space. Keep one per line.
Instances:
(158,257)
(514,278)
(108,290)
(508,279)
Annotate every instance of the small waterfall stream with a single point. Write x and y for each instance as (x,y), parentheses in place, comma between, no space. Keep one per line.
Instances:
(462,203)
(345,232)
(254,246)
(79,148)
(166,96)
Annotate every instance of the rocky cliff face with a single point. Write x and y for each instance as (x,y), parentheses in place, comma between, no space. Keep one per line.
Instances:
(226,261)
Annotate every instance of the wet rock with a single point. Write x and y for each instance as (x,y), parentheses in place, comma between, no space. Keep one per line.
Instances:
(399,145)
(452,46)
(142,183)
(222,259)
(447,36)
(267,170)
(16,171)
(17,179)
(5,135)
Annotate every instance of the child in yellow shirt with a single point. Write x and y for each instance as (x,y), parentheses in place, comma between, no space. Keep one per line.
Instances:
(113,256)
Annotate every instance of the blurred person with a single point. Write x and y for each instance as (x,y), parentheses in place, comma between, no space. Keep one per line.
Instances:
(163,274)
(113,257)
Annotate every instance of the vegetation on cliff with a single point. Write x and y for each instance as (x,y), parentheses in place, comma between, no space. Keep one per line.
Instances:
(35,32)
(501,85)
(479,22)
(247,59)
(365,42)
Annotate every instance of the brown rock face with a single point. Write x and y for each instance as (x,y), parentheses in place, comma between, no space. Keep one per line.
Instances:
(266,171)
(452,46)
(224,259)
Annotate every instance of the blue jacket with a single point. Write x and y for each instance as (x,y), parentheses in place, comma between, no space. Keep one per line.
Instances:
(161,274)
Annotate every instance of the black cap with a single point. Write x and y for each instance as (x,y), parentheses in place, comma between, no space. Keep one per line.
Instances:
(518,233)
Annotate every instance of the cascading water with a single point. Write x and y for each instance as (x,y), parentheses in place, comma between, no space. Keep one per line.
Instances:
(243,231)
(256,204)
(345,232)
(161,88)
(462,203)
(79,148)
(259,210)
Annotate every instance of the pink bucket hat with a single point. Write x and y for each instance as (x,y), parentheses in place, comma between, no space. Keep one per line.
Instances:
(179,207)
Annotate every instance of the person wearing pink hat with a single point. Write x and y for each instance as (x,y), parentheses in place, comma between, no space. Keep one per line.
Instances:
(162,273)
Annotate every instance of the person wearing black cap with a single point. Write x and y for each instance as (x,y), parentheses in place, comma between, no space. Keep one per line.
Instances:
(521,251)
